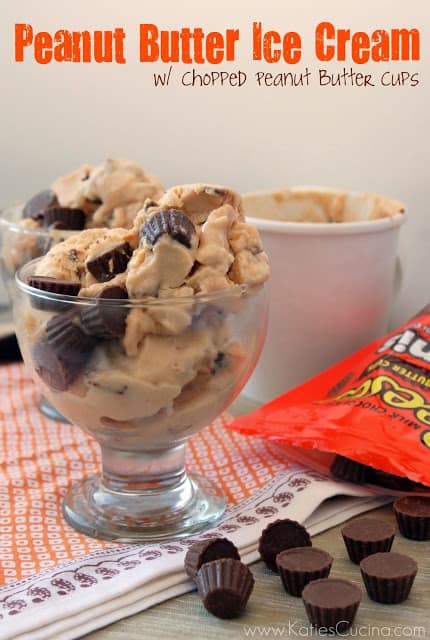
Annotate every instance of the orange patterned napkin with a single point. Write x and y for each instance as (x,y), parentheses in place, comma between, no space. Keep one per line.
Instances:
(45,564)
(40,458)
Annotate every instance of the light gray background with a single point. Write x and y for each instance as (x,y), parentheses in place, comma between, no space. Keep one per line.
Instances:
(55,117)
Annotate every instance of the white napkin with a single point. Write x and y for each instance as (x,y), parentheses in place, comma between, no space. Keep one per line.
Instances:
(70,600)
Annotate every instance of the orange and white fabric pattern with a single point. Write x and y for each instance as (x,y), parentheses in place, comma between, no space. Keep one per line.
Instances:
(46,566)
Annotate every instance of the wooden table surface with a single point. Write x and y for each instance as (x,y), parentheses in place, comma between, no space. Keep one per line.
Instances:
(272,613)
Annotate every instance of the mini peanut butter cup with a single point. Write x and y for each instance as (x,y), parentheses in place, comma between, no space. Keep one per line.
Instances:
(52,285)
(350,470)
(388,577)
(108,264)
(390,481)
(55,285)
(207,550)
(367,536)
(64,353)
(281,535)
(64,218)
(331,603)
(37,205)
(171,222)
(56,373)
(67,338)
(106,321)
(300,565)
(224,586)
(413,517)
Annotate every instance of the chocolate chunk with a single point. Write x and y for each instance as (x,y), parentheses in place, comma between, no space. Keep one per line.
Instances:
(413,517)
(64,218)
(204,551)
(300,565)
(388,577)
(52,285)
(106,320)
(281,535)
(350,470)
(61,357)
(224,585)
(38,204)
(108,264)
(331,603)
(366,536)
(171,222)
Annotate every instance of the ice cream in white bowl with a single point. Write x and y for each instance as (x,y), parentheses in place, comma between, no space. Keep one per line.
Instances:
(335,270)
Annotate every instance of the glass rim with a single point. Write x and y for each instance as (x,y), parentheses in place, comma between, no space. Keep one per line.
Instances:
(13,225)
(236,291)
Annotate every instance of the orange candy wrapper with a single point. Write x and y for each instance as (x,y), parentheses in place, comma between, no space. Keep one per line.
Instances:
(372,408)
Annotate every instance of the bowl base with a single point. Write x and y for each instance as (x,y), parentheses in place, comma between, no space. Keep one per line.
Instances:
(149,516)
(50,411)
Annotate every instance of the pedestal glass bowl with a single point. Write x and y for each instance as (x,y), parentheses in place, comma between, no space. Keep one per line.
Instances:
(180,363)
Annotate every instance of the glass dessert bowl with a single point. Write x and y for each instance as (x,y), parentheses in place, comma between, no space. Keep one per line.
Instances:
(141,393)
(22,241)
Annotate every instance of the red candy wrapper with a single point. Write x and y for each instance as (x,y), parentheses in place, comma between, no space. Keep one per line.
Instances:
(373,408)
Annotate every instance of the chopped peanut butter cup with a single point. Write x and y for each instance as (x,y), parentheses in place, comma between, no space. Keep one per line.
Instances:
(67,339)
(52,285)
(64,218)
(55,285)
(55,372)
(108,264)
(172,222)
(36,207)
(66,350)
(106,321)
